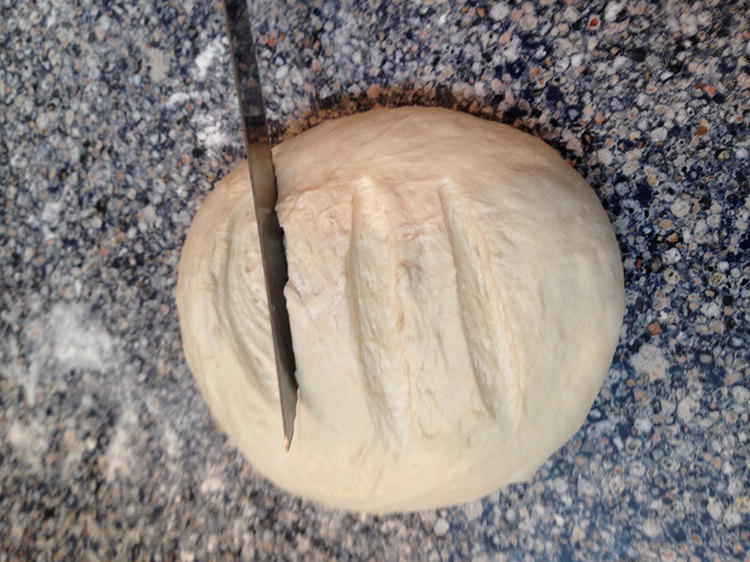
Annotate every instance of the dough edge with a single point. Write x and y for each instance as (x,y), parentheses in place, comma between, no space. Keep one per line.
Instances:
(195,296)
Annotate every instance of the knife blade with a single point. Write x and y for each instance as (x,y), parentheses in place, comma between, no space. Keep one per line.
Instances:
(270,234)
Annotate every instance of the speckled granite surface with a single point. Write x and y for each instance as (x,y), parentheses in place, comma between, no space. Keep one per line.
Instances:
(115,123)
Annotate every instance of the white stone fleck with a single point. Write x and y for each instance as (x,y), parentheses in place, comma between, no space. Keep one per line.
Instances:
(562,64)
(620,61)
(714,220)
(704,18)
(441,527)
(281,72)
(711,309)
(157,60)
(637,469)
(659,134)
(643,425)
(177,98)
(667,406)
(206,57)
(212,136)
(473,510)
(735,487)
(701,227)
(651,528)
(585,487)
(680,208)
(51,212)
(643,100)
(576,60)
(604,156)
(649,360)
(687,408)
(499,11)
(741,503)
(688,23)
(714,509)
(741,395)
(45,118)
(630,167)
(671,276)
(212,484)
(171,442)
(634,154)
(732,518)
(511,50)
(577,534)
(672,256)
(120,459)
(612,10)
(149,214)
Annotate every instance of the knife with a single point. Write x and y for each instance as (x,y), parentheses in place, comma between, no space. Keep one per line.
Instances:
(270,235)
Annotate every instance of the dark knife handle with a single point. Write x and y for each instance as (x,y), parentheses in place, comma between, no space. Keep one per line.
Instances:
(249,92)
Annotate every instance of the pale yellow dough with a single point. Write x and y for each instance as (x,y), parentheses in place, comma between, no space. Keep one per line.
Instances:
(455,296)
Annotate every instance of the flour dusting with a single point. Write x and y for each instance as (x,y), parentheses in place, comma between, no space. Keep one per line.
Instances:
(64,339)
(178,98)
(206,57)
(209,131)
(212,484)
(29,440)
(119,459)
(212,136)
(76,341)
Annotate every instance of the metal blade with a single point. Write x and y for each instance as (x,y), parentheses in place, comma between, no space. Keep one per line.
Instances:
(271,237)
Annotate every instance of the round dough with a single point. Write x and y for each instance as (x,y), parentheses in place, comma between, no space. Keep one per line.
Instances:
(455,296)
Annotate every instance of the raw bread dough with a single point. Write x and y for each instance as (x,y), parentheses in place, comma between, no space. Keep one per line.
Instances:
(455,295)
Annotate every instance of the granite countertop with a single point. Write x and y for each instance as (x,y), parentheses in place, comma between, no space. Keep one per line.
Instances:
(117,120)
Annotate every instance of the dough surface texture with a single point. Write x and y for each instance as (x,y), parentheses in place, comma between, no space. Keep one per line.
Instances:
(455,296)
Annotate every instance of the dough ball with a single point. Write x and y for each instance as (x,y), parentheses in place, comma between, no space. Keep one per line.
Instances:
(455,296)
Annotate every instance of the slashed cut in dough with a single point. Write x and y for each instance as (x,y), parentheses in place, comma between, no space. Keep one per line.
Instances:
(455,295)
